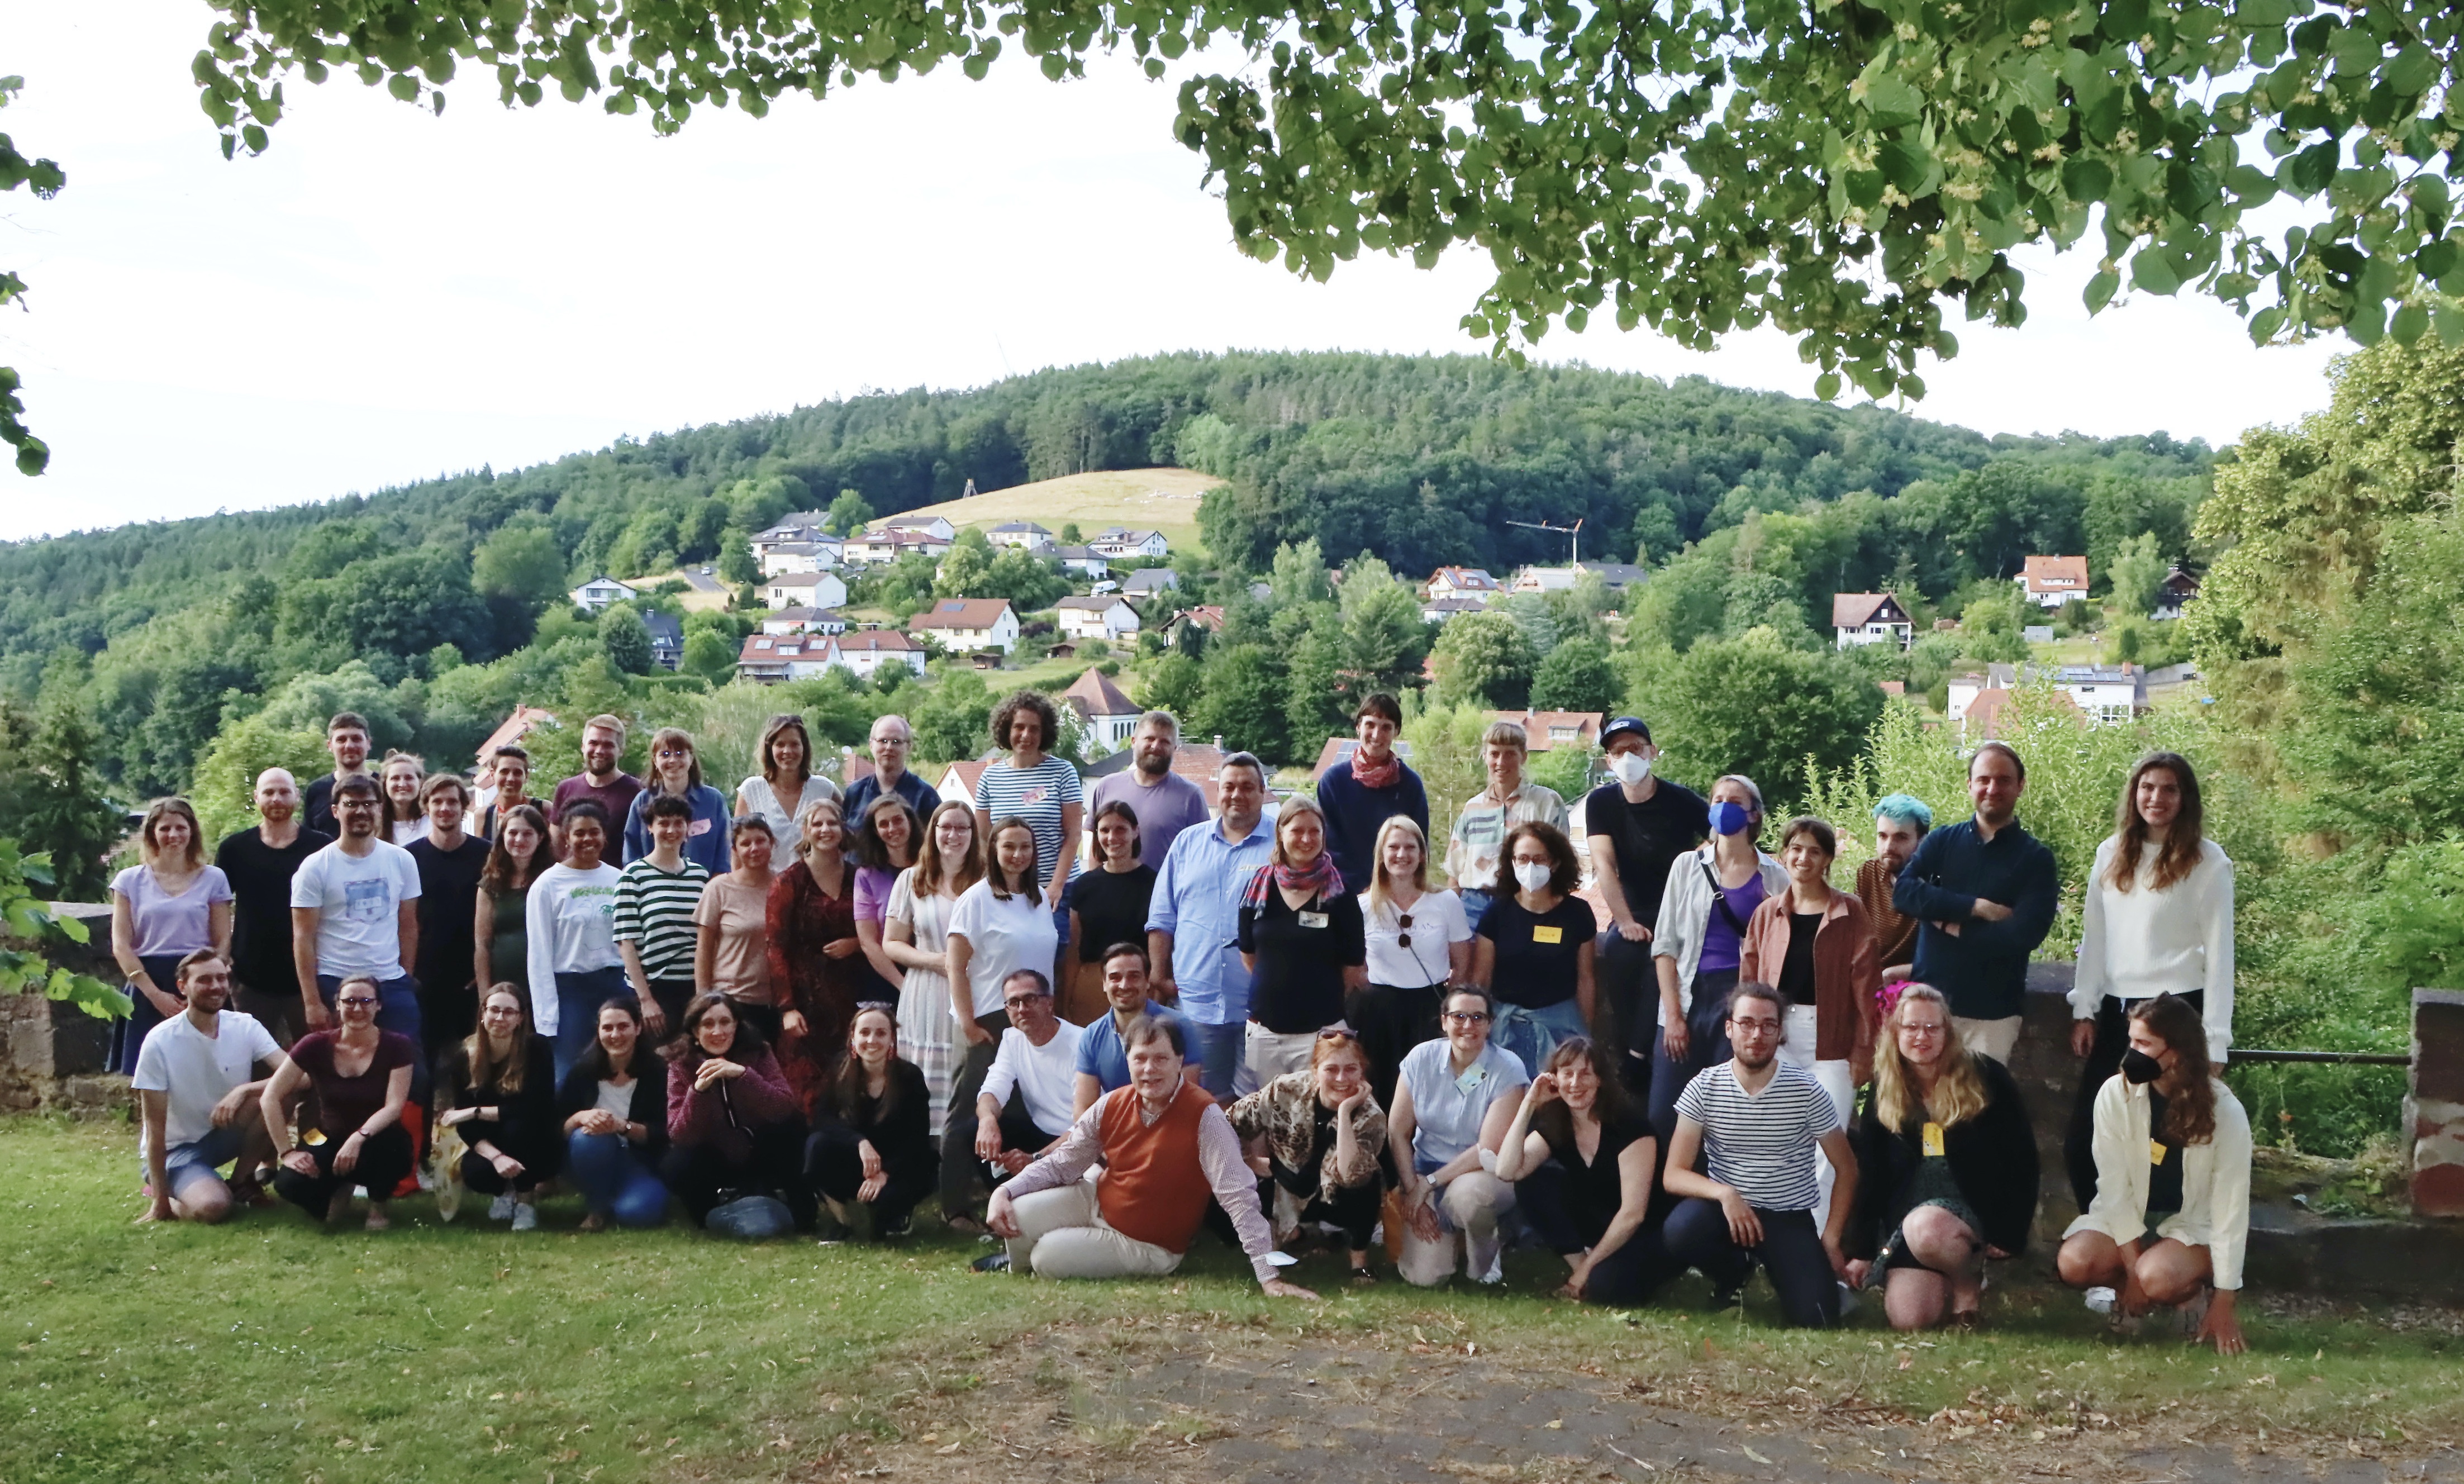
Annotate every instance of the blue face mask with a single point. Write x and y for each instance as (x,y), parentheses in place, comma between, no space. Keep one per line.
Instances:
(1728,818)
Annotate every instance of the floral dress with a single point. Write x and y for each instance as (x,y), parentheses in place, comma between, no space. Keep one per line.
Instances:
(803,918)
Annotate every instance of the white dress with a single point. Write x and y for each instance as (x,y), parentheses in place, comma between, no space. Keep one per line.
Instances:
(764,799)
(924,1026)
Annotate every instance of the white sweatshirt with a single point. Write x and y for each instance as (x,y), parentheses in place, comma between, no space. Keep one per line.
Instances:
(569,917)
(2216,1179)
(2139,943)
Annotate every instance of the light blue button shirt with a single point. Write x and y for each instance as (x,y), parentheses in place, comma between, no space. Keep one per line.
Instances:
(1197,900)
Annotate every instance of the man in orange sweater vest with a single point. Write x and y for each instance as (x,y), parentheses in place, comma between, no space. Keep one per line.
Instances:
(1166,1150)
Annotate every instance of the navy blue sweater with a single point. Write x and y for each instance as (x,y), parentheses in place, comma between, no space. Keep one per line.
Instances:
(1353,814)
(1983,971)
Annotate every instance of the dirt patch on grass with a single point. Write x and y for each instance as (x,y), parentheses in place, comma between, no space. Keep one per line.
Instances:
(1171,1401)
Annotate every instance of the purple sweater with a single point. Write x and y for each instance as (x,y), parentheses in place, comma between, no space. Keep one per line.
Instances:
(725,1117)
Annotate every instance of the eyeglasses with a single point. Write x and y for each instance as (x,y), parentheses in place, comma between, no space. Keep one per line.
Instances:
(1025,1001)
(1467,1017)
(1760,1026)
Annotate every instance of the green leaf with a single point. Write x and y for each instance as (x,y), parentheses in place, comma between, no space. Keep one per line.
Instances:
(2100,290)
(2408,324)
(2414,69)
(1891,104)
(2450,326)
(2308,173)
(2086,178)
(2153,271)
(1827,384)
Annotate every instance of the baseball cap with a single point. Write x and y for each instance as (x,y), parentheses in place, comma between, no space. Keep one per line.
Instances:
(1634,724)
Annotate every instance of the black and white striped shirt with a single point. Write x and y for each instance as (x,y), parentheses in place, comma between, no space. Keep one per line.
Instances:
(654,910)
(1762,1144)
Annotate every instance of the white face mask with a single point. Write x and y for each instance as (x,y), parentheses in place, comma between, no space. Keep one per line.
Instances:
(1629,767)
(1533,875)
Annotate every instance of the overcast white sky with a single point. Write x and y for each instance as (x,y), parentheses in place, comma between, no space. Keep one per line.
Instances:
(386,295)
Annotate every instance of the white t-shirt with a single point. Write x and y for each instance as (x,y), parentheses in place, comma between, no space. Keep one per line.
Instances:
(356,897)
(569,927)
(1002,937)
(1437,922)
(196,1071)
(1047,1074)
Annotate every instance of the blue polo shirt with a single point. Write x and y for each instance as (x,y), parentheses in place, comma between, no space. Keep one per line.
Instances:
(1197,901)
(1102,1056)
(920,796)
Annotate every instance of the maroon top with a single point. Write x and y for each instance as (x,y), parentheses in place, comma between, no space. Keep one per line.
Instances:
(347,1103)
(617,798)
(725,1117)
(824,991)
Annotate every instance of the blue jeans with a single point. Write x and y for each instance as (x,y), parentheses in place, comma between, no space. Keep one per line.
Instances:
(614,1180)
(397,1004)
(1706,1029)
(1475,905)
(1531,1034)
(1219,1054)
(577,997)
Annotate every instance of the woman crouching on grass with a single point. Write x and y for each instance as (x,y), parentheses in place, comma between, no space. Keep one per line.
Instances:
(1322,1133)
(732,1120)
(1594,1206)
(614,1103)
(2172,1213)
(499,1088)
(871,1155)
(362,1079)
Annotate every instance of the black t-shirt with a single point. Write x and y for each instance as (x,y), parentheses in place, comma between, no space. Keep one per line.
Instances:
(1300,969)
(2164,1176)
(316,806)
(1536,954)
(448,906)
(1111,908)
(1593,1191)
(1646,837)
(260,882)
(1796,967)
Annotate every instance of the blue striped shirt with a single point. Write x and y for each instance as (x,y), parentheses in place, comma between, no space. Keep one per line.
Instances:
(1038,795)
(1197,900)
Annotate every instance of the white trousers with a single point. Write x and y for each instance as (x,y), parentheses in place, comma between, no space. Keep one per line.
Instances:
(1268,1055)
(1995,1038)
(1061,1234)
(1837,1081)
(1469,1209)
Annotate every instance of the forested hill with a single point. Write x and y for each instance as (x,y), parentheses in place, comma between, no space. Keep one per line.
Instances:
(1418,459)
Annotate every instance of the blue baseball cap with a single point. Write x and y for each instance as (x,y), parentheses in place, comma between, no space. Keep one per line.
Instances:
(1634,724)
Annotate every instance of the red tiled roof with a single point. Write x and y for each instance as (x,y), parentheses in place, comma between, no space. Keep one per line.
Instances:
(514,729)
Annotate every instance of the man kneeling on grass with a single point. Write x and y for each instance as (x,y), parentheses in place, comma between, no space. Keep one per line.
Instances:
(1167,1150)
(200,1109)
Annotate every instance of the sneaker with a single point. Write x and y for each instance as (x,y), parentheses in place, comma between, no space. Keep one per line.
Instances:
(501,1209)
(526,1217)
(1849,1303)
(991,1262)
(2102,1300)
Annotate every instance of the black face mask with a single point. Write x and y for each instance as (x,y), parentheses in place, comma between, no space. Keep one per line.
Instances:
(2139,1069)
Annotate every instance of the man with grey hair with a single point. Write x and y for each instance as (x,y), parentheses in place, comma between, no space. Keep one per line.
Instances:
(1164,803)
(1193,920)
(892,740)
(260,861)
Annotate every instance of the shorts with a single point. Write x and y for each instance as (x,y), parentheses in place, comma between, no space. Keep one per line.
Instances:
(218,1149)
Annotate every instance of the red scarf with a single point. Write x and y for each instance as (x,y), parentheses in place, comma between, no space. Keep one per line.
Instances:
(1377,775)
(1320,879)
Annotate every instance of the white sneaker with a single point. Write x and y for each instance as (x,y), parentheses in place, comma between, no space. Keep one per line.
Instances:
(1849,1303)
(501,1209)
(526,1217)
(2102,1300)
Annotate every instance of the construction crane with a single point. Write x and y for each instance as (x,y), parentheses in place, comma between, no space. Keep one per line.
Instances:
(1574,530)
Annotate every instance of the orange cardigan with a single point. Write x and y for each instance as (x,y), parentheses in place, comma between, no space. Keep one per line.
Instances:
(1847,971)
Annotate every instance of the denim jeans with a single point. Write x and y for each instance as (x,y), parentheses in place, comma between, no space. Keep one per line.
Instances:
(1532,1033)
(614,1180)
(577,997)
(1222,1065)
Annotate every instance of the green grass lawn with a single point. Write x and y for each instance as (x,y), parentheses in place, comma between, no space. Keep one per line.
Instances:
(270,1349)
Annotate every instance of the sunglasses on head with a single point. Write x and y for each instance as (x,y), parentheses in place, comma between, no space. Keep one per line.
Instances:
(1338,1032)
(1403,939)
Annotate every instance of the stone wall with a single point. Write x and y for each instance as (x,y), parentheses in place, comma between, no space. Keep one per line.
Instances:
(52,1056)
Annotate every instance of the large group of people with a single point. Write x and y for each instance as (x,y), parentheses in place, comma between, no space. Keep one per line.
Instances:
(816,1007)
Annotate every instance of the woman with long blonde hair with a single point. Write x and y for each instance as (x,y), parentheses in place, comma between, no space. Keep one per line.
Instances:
(1419,940)
(1947,1168)
(167,906)
(2158,918)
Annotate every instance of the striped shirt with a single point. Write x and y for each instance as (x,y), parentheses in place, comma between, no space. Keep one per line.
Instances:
(654,910)
(1762,1144)
(1038,795)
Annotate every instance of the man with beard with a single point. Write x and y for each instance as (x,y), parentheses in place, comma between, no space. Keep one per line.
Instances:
(200,1076)
(1163,801)
(259,863)
(1755,1121)
(346,738)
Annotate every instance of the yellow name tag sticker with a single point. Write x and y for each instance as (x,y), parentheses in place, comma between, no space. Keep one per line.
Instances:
(1543,933)
(2155,1152)
(1933,1140)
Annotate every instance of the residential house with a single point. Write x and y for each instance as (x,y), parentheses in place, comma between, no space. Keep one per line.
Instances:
(510,731)
(1208,616)
(803,527)
(1120,541)
(964,624)
(805,590)
(1549,730)
(2049,582)
(1149,582)
(804,620)
(2106,694)
(2179,589)
(1436,610)
(1862,618)
(799,556)
(601,590)
(1084,560)
(1025,535)
(868,650)
(1107,617)
(933,527)
(1543,578)
(1616,576)
(1109,715)
(958,779)
(1462,581)
(768,658)
(882,544)
(666,638)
